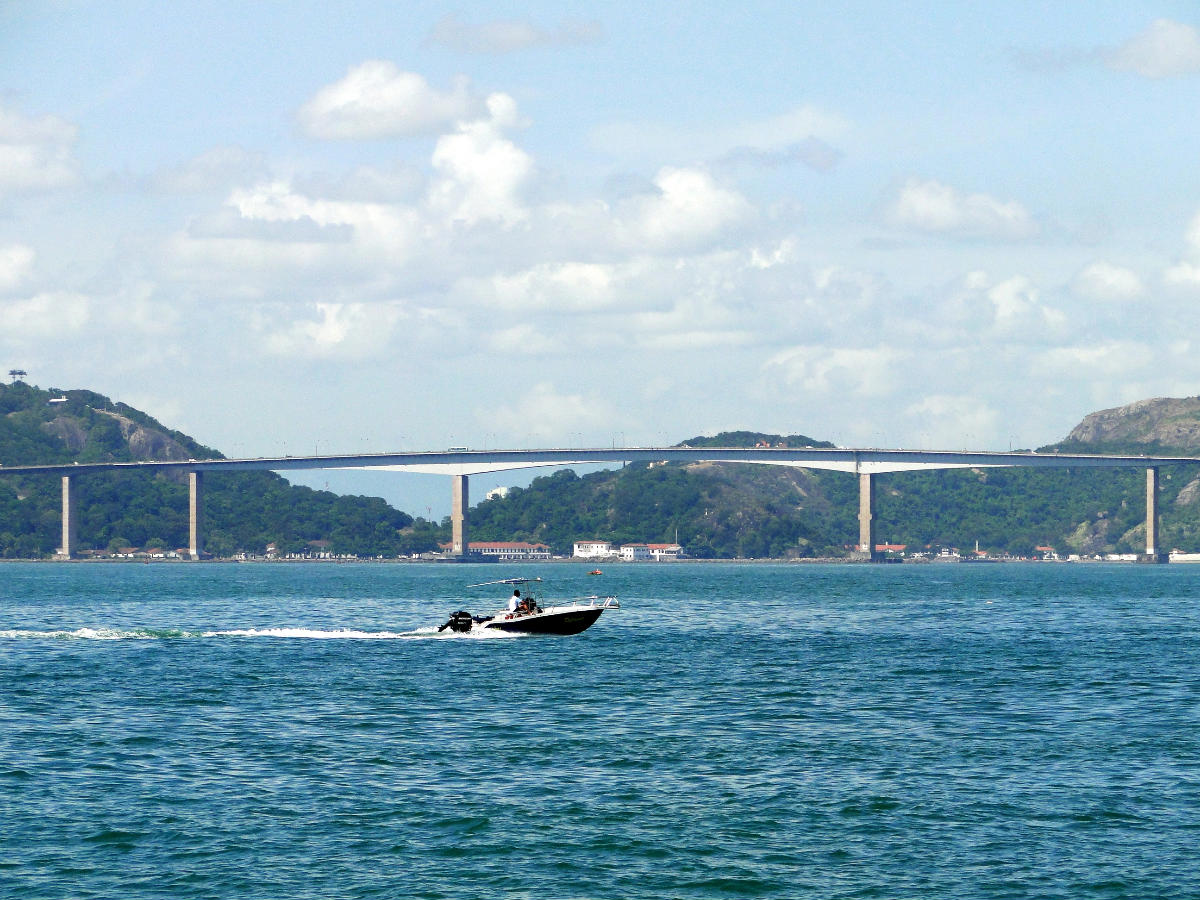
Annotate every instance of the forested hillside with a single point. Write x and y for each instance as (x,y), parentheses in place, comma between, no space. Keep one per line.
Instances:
(715,510)
(722,510)
(243,510)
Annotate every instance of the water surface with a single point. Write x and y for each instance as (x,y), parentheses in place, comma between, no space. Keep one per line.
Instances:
(779,731)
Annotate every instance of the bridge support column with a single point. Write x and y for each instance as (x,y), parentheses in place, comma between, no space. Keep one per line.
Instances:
(69,526)
(1153,554)
(866,516)
(195,514)
(460,503)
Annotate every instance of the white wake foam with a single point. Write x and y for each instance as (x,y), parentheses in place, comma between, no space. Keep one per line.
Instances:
(293,632)
(90,634)
(315,633)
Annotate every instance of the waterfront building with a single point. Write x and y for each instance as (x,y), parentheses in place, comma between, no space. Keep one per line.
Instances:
(594,550)
(664,552)
(506,550)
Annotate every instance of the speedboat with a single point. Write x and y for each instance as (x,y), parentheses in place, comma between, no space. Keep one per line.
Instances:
(564,617)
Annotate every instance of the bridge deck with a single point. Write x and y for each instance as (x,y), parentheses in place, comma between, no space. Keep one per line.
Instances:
(474,462)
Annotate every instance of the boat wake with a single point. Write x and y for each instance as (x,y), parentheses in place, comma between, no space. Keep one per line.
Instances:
(295,633)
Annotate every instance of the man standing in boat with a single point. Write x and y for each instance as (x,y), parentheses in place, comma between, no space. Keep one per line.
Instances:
(515,603)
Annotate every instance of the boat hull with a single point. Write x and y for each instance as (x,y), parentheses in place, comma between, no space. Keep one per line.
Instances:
(567,622)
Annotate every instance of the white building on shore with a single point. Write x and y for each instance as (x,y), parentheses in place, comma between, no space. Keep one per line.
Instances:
(505,550)
(594,550)
(635,552)
(664,552)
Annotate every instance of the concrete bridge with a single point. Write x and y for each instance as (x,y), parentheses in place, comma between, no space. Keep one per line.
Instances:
(461,464)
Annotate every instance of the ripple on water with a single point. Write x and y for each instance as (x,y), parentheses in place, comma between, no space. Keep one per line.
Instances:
(837,732)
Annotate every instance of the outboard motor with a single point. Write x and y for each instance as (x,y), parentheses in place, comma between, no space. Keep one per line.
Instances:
(460,621)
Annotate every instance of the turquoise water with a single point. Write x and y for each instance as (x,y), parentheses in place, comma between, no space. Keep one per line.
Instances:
(263,731)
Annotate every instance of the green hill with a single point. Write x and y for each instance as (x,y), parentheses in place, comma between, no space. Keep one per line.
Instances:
(725,510)
(243,510)
(716,510)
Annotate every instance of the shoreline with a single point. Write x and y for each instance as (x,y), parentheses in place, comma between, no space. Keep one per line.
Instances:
(817,560)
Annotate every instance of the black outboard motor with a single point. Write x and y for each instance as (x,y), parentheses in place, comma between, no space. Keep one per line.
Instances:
(460,621)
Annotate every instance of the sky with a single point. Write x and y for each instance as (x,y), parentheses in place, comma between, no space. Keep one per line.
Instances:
(365,226)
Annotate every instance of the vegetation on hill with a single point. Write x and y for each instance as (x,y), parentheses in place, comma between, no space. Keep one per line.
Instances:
(715,510)
(243,510)
(725,510)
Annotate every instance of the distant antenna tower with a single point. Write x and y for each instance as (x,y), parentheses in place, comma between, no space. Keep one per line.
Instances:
(17,374)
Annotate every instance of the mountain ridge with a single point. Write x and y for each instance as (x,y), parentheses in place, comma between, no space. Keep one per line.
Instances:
(244,511)
(1162,422)
(716,510)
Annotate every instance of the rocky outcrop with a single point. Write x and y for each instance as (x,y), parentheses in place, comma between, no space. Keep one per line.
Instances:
(1089,537)
(1164,421)
(1190,493)
(69,431)
(148,443)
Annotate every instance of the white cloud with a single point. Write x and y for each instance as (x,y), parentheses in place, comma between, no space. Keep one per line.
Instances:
(556,287)
(511,35)
(388,227)
(16,265)
(837,371)
(1193,235)
(241,268)
(398,182)
(482,173)
(45,315)
(812,152)
(689,211)
(698,314)
(522,339)
(376,100)
(35,154)
(1106,361)
(805,133)
(1005,309)
(1107,283)
(215,170)
(167,409)
(1164,50)
(543,414)
(786,129)
(342,330)
(954,420)
(1014,301)
(271,238)
(143,313)
(1185,274)
(930,206)
(695,339)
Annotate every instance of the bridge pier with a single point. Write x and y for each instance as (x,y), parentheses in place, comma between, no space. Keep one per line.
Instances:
(866,516)
(1153,554)
(69,525)
(460,503)
(195,514)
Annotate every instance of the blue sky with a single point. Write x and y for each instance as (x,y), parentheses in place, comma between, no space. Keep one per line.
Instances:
(368,226)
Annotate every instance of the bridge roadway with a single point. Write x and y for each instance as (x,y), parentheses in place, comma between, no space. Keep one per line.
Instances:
(460,464)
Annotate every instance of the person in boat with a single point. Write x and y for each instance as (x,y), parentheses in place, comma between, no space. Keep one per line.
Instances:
(515,603)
